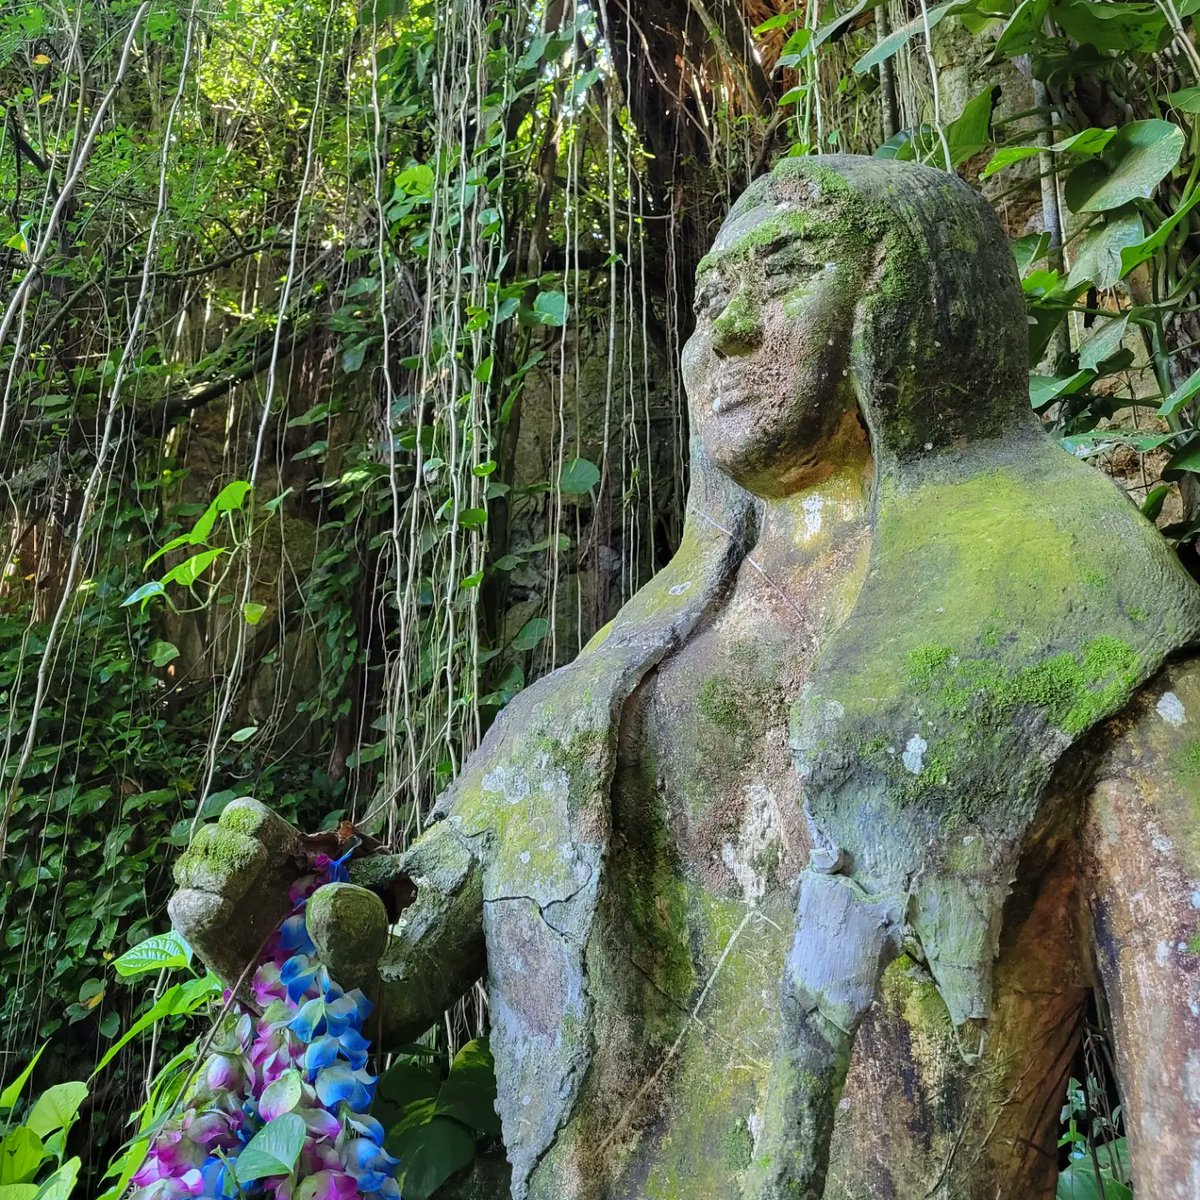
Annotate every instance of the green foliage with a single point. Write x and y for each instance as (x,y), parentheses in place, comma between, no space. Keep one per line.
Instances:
(34,1132)
(273,1150)
(1098,1157)
(435,1124)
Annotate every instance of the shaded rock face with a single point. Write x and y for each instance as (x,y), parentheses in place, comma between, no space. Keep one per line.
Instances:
(742,874)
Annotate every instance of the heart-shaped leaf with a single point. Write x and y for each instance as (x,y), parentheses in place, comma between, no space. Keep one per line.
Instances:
(550,308)
(160,653)
(273,1150)
(56,1107)
(163,951)
(431,1153)
(469,1093)
(577,477)
(21,1153)
(531,633)
(1132,165)
(1098,255)
(1104,343)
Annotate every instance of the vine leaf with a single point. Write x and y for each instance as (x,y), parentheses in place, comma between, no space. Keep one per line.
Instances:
(160,653)
(62,1183)
(1183,394)
(143,593)
(577,477)
(21,1153)
(1130,167)
(163,951)
(531,633)
(1103,344)
(1185,100)
(1023,30)
(469,1093)
(1098,258)
(12,1093)
(431,1153)
(1132,256)
(550,308)
(56,1107)
(1185,461)
(895,42)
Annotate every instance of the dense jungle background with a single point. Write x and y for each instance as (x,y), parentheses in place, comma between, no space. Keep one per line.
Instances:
(339,399)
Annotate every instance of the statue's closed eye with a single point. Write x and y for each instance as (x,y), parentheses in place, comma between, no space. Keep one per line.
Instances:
(794,258)
(711,301)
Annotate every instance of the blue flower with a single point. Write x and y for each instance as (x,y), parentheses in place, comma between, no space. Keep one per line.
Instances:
(321,1052)
(338,872)
(355,1047)
(342,1014)
(340,1082)
(215,1174)
(389,1189)
(366,1126)
(293,936)
(309,1021)
(298,974)
(368,1163)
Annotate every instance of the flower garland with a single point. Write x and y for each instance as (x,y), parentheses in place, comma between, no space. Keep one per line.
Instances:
(305,1055)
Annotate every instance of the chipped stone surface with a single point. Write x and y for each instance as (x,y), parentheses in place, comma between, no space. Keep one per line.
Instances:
(1170,708)
(1140,884)
(914,753)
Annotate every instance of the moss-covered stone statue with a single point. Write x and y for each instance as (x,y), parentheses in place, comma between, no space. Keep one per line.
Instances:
(795,882)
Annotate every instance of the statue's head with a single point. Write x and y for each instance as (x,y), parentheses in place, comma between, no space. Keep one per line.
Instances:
(841,288)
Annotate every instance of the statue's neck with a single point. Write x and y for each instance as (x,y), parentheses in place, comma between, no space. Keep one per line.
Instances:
(822,514)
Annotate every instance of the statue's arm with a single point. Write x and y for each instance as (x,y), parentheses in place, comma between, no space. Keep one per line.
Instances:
(1141,882)
(232,893)
(420,965)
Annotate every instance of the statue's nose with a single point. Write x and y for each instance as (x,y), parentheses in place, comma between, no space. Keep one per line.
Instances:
(738,330)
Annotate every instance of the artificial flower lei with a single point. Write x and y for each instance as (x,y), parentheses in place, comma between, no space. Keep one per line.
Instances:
(305,1055)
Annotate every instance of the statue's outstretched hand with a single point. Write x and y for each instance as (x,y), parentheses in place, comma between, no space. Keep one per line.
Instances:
(233,891)
(232,887)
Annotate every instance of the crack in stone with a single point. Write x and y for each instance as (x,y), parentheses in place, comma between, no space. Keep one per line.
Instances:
(543,908)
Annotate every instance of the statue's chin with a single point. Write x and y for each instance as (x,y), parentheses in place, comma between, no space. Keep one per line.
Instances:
(763,468)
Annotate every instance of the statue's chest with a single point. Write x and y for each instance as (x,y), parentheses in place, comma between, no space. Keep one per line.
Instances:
(710,757)
(697,916)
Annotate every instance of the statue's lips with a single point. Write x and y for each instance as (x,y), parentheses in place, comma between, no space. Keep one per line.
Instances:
(727,398)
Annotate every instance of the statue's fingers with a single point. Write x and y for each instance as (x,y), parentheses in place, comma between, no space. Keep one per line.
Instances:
(349,927)
(221,861)
(251,818)
(233,885)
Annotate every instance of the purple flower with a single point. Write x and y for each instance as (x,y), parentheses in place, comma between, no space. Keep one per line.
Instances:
(328,1185)
(191,1183)
(310,1028)
(223,1073)
(320,1121)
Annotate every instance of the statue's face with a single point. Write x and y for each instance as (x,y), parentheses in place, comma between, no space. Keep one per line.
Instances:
(767,368)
